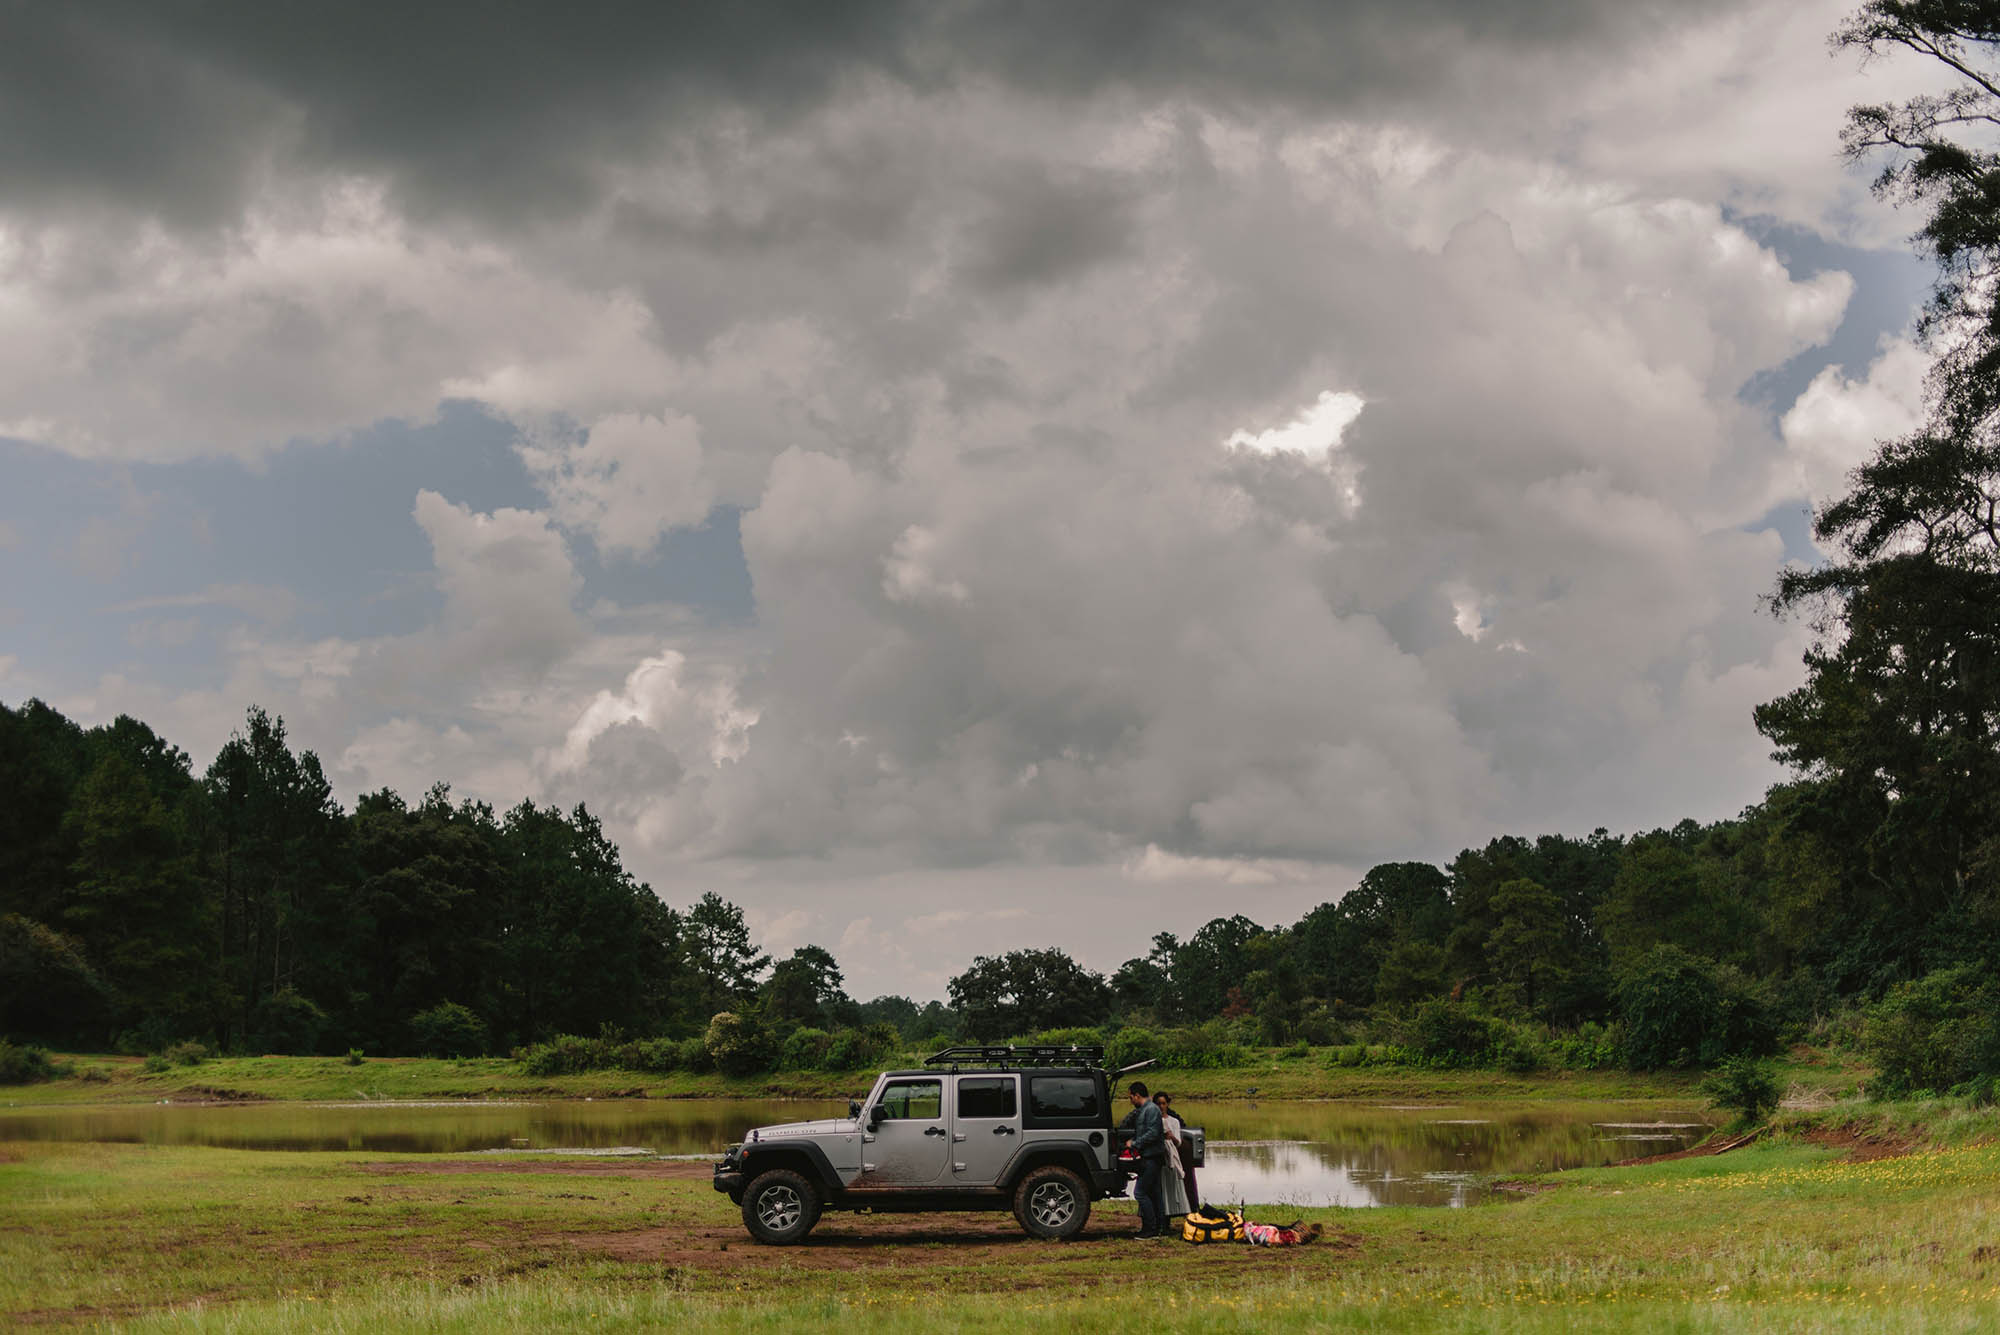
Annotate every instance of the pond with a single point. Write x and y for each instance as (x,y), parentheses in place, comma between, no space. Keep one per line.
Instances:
(1300,1153)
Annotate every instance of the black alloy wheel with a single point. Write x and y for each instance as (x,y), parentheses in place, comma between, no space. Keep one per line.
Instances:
(780,1207)
(1052,1203)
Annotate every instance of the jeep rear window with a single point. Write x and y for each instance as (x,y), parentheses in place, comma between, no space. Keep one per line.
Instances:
(986,1096)
(913,1100)
(1065,1098)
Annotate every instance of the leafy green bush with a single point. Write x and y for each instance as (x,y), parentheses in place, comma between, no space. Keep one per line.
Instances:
(654,1054)
(691,1054)
(25,1064)
(287,1021)
(739,1044)
(565,1054)
(804,1050)
(1210,1047)
(1937,1033)
(156,1064)
(1743,1085)
(572,1054)
(1132,1044)
(448,1030)
(1450,1033)
(1589,1047)
(1680,1009)
(1348,1054)
(1079,1037)
(855,1049)
(1317,1025)
(355,1057)
(1518,1049)
(189,1053)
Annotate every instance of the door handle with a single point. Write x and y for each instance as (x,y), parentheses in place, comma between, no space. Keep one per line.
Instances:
(1003,1130)
(933,1130)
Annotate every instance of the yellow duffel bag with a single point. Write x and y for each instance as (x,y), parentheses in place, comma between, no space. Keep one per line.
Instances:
(1213,1226)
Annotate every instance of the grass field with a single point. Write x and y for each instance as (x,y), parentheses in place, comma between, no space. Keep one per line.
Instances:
(110,1079)
(1782,1234)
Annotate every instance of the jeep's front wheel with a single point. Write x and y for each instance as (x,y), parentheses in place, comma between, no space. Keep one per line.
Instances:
(780,1207)
(1052,1203)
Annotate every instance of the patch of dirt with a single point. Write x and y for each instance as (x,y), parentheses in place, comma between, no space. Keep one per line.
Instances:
(653,1169)
(842,1241)
(1706,1149)
(215,1094)
(49,1316)
(850,1242)
(1860,1148)
(1524,1188)
(103,1312)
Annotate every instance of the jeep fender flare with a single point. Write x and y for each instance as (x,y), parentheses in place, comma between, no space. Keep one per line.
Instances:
(1073,1154)
(802,1156)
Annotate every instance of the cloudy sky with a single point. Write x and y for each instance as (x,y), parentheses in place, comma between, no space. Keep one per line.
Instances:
(953,476)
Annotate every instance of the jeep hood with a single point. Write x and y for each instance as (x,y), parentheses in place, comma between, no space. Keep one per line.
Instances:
(828,1126)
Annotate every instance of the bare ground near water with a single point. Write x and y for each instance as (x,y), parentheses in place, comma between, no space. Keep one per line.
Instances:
(842,1242)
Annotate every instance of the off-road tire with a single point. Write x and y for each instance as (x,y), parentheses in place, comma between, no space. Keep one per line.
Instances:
(1052,1202)
(780,1207)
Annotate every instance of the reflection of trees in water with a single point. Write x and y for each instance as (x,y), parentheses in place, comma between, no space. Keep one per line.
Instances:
(1361,1156)
(667,1128)
(1339,1153)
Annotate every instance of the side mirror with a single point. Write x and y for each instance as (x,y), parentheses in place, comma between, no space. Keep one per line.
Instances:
(854,1109)
(875,1116)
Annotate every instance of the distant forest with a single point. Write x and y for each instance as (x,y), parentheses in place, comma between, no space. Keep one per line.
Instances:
(143,904)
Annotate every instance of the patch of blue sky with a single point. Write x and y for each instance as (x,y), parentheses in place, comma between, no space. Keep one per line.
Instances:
(106,565)
(1889,290)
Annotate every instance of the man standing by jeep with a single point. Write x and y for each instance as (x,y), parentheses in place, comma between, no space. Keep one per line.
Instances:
(1149,1140)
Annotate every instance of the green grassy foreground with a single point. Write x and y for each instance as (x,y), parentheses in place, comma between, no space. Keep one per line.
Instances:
(111,1079)
(1779,1235)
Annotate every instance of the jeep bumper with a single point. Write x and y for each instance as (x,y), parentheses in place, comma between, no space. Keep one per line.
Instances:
(729,1178)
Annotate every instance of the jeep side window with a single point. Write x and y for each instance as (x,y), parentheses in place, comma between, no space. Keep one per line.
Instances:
(1064,1097)
(991,1096)
(912,1100)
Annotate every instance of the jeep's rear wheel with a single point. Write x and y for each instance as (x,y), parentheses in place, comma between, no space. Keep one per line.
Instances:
(1052,1202)
(780,1207)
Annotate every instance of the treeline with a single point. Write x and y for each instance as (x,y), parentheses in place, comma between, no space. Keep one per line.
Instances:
(144,905)
(1678,947)
(242,909)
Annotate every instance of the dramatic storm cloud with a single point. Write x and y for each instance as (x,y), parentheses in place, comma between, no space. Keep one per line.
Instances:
(947,476)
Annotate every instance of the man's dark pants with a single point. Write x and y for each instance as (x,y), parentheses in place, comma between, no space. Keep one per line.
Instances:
(1146,1191)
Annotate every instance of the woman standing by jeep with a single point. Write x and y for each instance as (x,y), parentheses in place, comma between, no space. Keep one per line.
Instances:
(1180,1159)
(1174,1200)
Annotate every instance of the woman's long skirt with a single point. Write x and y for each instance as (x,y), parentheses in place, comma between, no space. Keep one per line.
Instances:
(1173,1189)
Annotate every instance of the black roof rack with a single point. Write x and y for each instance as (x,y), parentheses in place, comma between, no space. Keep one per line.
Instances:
(1012,1056)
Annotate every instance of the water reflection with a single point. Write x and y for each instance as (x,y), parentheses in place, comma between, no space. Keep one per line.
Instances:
(702,1126)
(1357,1155)
(1276,1152)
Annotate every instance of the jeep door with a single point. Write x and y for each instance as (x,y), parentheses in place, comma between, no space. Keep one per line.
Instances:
(910,1144)
(985,1127)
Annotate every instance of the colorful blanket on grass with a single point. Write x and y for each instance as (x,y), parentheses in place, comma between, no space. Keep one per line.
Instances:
(1270,1235)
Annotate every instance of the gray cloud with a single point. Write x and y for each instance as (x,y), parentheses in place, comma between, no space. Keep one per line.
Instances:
(961,306)
(514,110)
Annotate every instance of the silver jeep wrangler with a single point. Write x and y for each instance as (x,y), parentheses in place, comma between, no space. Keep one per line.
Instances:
(1027,1129)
